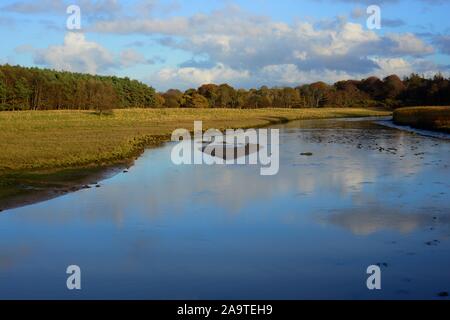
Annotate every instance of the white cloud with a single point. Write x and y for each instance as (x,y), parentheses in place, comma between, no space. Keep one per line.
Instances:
(260,51)
(291,75)
(282,74)
(190,77)
(242,41)
(76,54)
(230,45)
(398,66)
(409,44)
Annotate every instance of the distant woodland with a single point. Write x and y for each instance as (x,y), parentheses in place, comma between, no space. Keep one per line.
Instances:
(42,89)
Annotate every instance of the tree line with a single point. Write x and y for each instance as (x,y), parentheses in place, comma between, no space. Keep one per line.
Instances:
(42,89)
(390,92)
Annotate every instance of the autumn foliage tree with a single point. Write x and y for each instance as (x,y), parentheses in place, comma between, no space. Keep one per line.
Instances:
(172,98)
(193,99)
(38,89)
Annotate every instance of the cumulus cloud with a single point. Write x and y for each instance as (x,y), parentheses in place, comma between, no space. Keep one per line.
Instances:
(231,45)
(284,74)
(408,44)
(291,75)
(81,55)
(260,48)
(243,41)
(76,54)
(191,77)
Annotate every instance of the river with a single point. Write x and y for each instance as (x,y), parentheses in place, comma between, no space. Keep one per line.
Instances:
(368,195)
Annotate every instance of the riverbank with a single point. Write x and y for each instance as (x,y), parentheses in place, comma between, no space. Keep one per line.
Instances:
(430,118)
(48,153)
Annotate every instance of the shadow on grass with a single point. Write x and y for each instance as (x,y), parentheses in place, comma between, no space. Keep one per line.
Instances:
(22,188)
(102,113)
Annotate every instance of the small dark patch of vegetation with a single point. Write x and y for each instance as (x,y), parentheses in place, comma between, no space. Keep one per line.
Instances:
(431,118)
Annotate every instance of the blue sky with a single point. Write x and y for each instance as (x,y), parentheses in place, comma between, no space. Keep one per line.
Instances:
(248,43)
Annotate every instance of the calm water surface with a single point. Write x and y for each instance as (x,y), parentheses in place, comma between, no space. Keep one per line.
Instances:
(369,194)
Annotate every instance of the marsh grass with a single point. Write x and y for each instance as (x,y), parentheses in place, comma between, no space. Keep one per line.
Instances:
(432,118)
(65,139)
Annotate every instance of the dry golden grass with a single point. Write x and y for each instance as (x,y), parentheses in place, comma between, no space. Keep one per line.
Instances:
(433,118)
(61,139)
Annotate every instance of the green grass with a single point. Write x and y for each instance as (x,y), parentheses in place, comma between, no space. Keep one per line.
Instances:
(432,118)
(43,150)
(66,139)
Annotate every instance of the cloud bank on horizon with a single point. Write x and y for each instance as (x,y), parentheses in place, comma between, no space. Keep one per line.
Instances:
(171,44)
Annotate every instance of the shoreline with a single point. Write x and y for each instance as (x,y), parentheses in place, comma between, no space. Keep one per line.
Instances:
(34,186)
(79,178)
(435,119)
(436,134)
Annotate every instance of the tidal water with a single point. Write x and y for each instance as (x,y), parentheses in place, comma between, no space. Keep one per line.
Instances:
(368,194)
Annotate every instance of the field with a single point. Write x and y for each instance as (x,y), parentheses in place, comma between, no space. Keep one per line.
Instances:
(42,150)
(432,118)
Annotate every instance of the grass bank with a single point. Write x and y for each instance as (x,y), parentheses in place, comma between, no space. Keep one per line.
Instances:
(431,118)
(59,151)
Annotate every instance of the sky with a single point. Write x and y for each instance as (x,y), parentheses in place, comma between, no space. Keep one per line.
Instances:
(183,44)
